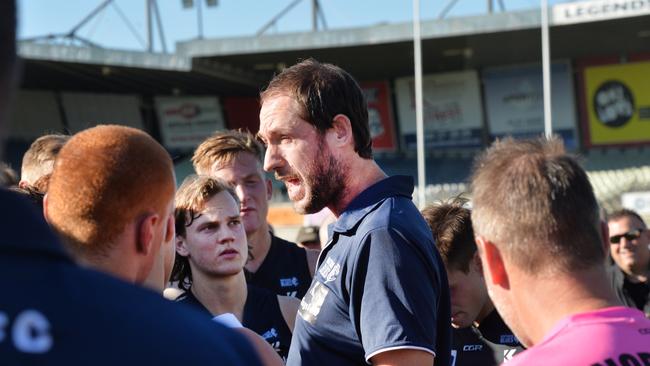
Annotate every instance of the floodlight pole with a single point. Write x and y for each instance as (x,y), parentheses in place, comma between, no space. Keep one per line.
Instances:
(546,71)
(419,120)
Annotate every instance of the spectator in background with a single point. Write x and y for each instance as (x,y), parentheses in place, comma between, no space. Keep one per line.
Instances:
(480,336)
(38,160)
(629,241)
(543,248)
(212,252)
(275,264)
(8,176)
(380,294)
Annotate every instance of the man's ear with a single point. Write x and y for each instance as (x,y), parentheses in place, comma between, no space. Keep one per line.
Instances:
(494,269)
(181,246)
(45,203)
(341,131)
(146,234)
(170,230)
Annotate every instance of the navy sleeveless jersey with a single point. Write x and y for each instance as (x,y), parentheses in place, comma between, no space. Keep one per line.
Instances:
(491,343)
(284,271)
(57,313)
(262,315)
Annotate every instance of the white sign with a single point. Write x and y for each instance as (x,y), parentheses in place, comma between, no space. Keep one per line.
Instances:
(515,105)
(637,201)
(452,110)
(186,121)
(595,10)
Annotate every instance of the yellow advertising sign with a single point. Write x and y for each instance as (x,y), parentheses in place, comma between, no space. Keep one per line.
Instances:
(618,103)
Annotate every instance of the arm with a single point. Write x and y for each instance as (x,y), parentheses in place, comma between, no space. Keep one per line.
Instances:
(289,308)
(402,357)
(266,353)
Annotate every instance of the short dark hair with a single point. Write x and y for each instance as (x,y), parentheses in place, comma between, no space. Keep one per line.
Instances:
(190,200)
(619,214)
(324,90)
(451,226)
(535,203)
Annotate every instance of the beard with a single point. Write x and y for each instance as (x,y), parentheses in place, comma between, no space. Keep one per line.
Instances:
(324,186)
(323,182)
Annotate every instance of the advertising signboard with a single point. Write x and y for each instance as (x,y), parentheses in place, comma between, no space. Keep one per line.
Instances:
(186,121)
(514,101)
(380,115)
(452,110)
(616,104)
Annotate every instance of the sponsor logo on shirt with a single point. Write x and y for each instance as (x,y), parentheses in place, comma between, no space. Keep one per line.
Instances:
(271,333)
(472,347)
(508,339)
(454,353)
(289,282)
(329,270)
(508,354)
(311,304)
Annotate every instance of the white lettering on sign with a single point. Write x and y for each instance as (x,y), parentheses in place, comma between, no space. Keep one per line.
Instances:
(595,10)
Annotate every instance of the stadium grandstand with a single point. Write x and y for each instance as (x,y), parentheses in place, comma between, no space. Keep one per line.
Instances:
(482,81)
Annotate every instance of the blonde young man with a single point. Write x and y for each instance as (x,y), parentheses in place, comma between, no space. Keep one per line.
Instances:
(212,252)
(236,157)
(38,160)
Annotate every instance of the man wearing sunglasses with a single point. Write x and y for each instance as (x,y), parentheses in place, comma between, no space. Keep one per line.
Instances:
(629,239)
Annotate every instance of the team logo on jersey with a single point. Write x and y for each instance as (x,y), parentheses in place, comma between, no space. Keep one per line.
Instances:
(329,270)
(312,302)
(269,334)
(289,282)
(508,339)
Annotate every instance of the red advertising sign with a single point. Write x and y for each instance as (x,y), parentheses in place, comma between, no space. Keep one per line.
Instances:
(380,115)
(242,113)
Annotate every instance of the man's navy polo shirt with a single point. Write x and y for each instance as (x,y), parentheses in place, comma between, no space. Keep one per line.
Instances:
(54,312)
(380,285)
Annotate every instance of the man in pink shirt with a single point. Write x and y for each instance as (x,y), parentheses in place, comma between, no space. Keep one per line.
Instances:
(543,248)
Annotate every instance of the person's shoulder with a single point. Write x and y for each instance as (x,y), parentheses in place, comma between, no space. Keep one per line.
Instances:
(285,245)
(158,325)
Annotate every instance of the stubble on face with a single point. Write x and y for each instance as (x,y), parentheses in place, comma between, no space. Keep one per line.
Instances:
(324,184)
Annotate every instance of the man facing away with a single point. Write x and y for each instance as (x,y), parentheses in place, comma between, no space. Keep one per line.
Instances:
(275,264)
(543,248)
(38,160)
(61,314)
(380,293)
(110,199)
(480,337)
(629,241)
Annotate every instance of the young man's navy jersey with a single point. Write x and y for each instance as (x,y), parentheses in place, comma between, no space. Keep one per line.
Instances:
(262,315)
(380,285)
(492,343)
(284,271)
(56,313)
